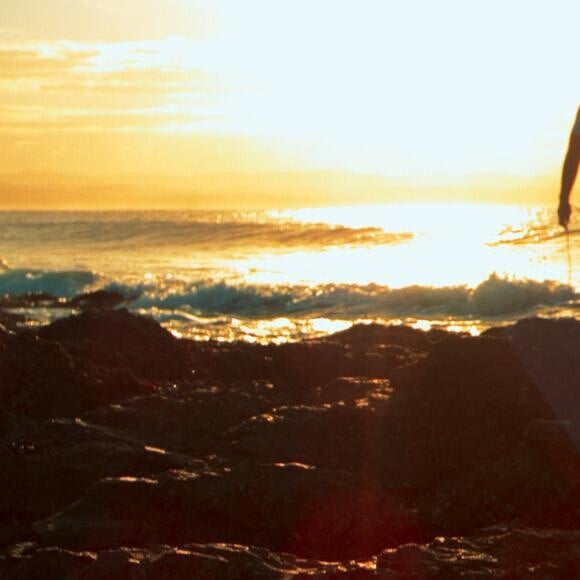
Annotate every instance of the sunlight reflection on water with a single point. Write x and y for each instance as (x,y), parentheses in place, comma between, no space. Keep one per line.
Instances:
(452,244)
(285,275)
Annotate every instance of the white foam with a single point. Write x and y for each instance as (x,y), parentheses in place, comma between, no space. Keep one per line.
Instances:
(496,296)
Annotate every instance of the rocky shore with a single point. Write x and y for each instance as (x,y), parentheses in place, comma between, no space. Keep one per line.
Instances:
(377,452)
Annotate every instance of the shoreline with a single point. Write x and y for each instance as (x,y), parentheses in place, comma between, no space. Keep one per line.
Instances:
(34,310)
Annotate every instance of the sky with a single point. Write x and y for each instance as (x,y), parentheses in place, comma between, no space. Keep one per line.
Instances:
(211,103)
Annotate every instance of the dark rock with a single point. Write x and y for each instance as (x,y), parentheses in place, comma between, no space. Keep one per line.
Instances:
(40,379)
(218,561)
(289,507)
(187,564)
(497,553)
(52,464)
(330,449)
(486,468)
(344,437)
(500,552)
(10,321)
(365,351)
(191,421)
(21,563)
(518,484)
(405,454)
(404,336)
(98,300)
(303,365)
(191,561)
(314,363)
(549,351)
(467,379)
(452,438)
(120,339)
(351,389)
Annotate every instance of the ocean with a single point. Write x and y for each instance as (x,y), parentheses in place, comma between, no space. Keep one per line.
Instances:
(276,276)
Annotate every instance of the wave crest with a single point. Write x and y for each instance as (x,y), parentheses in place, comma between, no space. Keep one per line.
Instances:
(64,284)
(494,297)
(127,231)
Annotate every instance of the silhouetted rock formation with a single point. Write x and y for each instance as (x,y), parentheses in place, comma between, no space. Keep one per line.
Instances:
(41,379)
(376,452)
(98,300)
(120,339)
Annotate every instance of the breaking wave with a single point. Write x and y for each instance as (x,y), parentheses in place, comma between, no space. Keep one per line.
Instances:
(197,302)
(64,284)
(197,231)
(494,297)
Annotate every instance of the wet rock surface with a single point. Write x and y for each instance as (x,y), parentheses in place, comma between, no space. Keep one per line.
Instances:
(50,465)
(498,552)
(119,339)
(40,379)
(309,511)
(375,452)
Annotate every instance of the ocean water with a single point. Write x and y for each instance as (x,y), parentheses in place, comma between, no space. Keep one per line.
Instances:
(285,275)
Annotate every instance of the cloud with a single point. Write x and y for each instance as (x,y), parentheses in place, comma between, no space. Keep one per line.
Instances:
(150,80)
(103,20)
(25,120)
(26,64)
(70,70)
(101,86)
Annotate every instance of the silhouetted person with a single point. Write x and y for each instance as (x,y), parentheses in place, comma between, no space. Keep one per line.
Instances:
(569,172)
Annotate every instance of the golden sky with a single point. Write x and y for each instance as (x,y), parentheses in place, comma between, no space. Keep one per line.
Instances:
(248,103)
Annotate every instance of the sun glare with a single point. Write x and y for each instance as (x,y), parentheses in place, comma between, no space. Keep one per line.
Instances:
(451,244)
(446,88)
(427,93)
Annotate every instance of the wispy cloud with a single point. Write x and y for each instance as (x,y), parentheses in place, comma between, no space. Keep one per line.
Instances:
(30,119)
(103,20)
(73,76)
(151,81)
(31,64)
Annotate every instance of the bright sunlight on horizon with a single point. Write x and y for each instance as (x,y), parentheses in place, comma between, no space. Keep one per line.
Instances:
(272,103)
